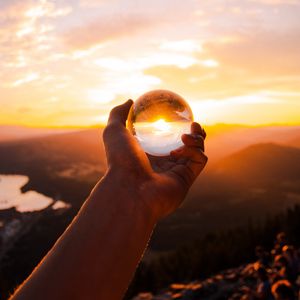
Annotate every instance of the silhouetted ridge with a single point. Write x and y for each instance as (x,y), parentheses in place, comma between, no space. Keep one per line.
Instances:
(262,162)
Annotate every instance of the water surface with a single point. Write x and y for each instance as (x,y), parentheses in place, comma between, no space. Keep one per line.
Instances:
(12,196)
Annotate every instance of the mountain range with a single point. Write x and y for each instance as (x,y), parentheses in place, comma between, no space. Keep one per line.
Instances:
(252,173)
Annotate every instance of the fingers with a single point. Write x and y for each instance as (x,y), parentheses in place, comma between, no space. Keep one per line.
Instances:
(197,129)
(194,154)
(119,113)
(196,138)
(196,159)
(193,149)
(116,121)
(193,140)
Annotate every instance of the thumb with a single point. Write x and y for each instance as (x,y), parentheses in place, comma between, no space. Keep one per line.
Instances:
(119,113)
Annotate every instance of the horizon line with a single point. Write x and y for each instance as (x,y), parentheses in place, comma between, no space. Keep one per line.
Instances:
(101,125)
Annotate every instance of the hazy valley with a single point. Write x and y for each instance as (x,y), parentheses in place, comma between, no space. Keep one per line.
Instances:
(253,173)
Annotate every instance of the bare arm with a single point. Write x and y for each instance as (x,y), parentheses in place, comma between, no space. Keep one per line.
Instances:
(97,255)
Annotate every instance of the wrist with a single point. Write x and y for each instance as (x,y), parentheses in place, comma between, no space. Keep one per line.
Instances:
(129,194)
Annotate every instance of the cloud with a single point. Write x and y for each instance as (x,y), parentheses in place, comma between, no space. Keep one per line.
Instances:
(252,63)
(118,19)
(93,3)
(182,46)
(260,53)
(106,28)
(27,38)
(28,78)
(89,53)
(277,2)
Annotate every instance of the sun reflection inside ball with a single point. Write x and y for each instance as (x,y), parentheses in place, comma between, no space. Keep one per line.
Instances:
(158,119)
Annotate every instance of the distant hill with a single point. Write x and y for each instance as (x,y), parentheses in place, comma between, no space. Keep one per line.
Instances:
(222,142)
(250,182)
(245,182)
(222,139)
(261,164)
(295,142)
(253,173)
(64,154)
(12,133)
(66,164)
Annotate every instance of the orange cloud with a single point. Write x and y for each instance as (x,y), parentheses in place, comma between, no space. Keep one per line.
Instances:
(105,29)
(277,2)
(261,52)
(70,63)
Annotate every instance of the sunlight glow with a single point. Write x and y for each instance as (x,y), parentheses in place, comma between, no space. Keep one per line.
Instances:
(182,46)
(161,126)
(98,96)
(210,63)
(36,12)
(93,59)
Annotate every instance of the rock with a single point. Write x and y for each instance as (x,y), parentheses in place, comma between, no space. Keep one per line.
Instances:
(143,296)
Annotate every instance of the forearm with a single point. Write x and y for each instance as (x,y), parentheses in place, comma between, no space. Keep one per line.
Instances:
(97,255)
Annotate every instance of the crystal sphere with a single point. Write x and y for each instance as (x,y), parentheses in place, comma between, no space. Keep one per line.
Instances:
(158,119)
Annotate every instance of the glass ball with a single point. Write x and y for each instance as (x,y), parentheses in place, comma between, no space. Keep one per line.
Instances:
(158,119)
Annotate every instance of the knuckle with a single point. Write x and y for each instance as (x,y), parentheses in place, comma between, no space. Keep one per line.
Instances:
(109,130)
(114,110)
(105,133)
(200,142)
(197,138)
(114,113)
(201,157)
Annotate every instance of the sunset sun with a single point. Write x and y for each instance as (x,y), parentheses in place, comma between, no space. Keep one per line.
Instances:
(161,126)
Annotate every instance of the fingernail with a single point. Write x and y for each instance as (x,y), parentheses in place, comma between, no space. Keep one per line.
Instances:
(173,158)
(174,152)
(178,152)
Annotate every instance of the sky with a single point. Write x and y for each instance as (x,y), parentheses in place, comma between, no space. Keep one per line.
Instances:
(68,62)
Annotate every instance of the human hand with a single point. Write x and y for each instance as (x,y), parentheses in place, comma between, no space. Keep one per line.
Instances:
(160,183)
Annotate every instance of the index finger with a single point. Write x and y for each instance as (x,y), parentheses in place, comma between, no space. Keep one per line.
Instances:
(197,129)
(119,113)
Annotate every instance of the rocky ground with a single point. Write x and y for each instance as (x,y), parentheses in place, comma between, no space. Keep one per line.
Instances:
(220,286)
(275,275)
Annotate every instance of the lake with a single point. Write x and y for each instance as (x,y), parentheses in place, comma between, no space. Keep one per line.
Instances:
(12,196)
